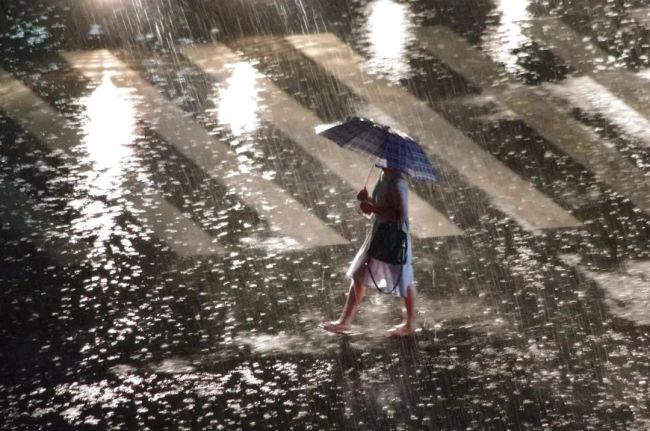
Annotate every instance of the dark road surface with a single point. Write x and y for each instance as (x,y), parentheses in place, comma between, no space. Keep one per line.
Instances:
(172,231)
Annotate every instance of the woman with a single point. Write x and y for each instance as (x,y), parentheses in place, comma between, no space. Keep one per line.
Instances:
(389,203)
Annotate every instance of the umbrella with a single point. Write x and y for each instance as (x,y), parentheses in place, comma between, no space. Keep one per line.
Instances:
(392,148)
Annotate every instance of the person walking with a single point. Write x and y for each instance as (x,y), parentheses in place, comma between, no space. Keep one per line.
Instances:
(384,260)
(388,204)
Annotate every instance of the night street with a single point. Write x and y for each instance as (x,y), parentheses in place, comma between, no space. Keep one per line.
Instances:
(173,231)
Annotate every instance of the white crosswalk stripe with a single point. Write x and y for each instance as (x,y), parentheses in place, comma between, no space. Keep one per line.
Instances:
(641,15)
(591,96)
(175,228)
(507,191)
(626,288)
(298,123)
(581,52)
(43,122)
(567,134)
(285,215)
(587,57)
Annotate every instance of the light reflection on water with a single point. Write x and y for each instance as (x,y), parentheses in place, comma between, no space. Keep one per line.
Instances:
(389,29)
(237,105)
(237,100)
(500,40)
(108,130)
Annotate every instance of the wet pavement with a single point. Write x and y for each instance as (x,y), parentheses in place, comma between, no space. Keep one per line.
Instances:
(173,232)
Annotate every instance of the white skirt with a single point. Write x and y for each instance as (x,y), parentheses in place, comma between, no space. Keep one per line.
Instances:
(385,275)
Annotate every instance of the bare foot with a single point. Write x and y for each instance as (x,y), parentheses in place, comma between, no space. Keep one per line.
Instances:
(336,327)
(402,330)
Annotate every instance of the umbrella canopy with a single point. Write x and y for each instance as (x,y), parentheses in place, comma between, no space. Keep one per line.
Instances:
(390,147)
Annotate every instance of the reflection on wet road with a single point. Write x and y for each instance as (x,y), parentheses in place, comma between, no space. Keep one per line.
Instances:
(389,49)
(173,231)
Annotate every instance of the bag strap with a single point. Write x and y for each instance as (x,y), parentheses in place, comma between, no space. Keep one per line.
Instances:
(377,286)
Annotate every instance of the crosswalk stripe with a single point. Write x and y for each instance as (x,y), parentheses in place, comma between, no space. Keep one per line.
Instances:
(642,18)
(590,95)
(34,114)
(173,227)
(587,57)
(642,15)
(567,134)
(285,215)
(24,215)
(582,53)
(507,191)
(626,290)
(41,120)
(298,123)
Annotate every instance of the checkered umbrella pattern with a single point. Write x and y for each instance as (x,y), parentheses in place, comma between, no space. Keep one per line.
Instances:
(390,147)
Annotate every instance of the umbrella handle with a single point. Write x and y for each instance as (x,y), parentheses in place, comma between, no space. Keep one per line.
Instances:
(368,177)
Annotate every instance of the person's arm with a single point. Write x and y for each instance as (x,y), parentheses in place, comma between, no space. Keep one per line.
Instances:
(390,213)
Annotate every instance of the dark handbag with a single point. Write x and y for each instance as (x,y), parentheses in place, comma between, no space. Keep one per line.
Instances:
(389,245)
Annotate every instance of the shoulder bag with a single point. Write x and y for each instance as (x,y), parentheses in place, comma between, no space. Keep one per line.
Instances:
(389,245)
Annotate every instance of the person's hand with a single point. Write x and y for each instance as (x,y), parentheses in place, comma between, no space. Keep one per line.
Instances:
(366,207)
(362,195)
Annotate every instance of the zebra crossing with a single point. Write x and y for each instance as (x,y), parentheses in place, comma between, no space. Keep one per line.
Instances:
(581,144)
(46,124)
(509,193)
(298,123)
(565,133)
(194,141)
(588,58)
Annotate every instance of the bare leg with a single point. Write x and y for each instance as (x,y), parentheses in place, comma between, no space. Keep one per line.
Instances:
(408,326)
(355,295)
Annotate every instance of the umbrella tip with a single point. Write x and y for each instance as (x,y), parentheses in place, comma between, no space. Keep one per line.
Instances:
(322,127)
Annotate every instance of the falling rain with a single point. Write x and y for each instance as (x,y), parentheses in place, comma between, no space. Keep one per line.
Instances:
(173,231)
